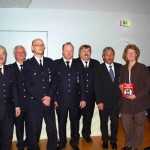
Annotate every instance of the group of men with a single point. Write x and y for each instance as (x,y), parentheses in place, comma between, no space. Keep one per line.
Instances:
(34,88)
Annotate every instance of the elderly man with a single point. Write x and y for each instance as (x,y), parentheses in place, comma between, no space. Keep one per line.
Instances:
(9,101)
(21,122)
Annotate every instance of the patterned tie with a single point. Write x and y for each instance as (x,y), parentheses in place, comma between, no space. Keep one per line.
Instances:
(111,73)
(67,62)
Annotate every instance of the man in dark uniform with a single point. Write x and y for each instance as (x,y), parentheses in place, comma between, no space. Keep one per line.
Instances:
(148,110)
(20,56)
(108,96)
(40,83)
(9,101)
(70,94)
(148,115)
(89,66)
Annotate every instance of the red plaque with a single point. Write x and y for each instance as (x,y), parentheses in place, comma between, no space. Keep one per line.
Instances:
(127,89)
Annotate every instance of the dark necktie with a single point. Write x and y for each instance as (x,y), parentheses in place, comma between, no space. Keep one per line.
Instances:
(21,68)
(111,73)
(0,71)
(41,63)
(67,62)
(86,65)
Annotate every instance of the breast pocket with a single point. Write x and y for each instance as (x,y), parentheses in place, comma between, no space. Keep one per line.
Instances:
(59,76)
(35,76)
(9,84)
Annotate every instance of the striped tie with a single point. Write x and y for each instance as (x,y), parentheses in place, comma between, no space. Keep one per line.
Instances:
(111,73)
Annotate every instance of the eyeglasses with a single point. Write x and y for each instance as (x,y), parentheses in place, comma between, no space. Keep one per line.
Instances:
(40,45)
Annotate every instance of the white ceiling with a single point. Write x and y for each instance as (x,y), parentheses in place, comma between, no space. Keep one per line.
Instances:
(15,3)
(129,6)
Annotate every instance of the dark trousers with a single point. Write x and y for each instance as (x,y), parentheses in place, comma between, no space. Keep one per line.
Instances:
(21,123)
(36,114)
(133,125)
(62,121)
(113,113)
(87,114)
(6,133)
(148,113)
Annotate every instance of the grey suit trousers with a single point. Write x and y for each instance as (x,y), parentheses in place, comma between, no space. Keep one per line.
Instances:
(133,125)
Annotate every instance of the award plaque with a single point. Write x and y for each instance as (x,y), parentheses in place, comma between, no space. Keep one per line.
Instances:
(127,89)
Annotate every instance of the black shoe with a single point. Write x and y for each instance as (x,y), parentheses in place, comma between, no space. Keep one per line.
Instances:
(114,146)
(32,149)
(60,147)
(75,147)
(88,140)
(126,148)
(20,147)
(105,145)
(147,148)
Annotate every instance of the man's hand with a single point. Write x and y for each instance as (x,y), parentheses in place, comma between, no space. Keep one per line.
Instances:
(131,97)
(82,104)
(46,100)
(121,87)
(18,111)
(55,105)
(100,106)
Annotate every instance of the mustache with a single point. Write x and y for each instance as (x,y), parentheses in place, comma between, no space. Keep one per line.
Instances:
(86,55)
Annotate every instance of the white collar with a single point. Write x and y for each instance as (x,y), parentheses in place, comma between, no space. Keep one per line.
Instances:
(18,64)
(84,63)
(70,61)
(38,59)
(2,69)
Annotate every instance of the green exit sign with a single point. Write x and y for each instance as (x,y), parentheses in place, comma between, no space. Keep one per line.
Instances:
(126,23)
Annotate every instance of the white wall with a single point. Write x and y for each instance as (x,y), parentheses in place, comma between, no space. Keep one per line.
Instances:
(99,29)
(11,38)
